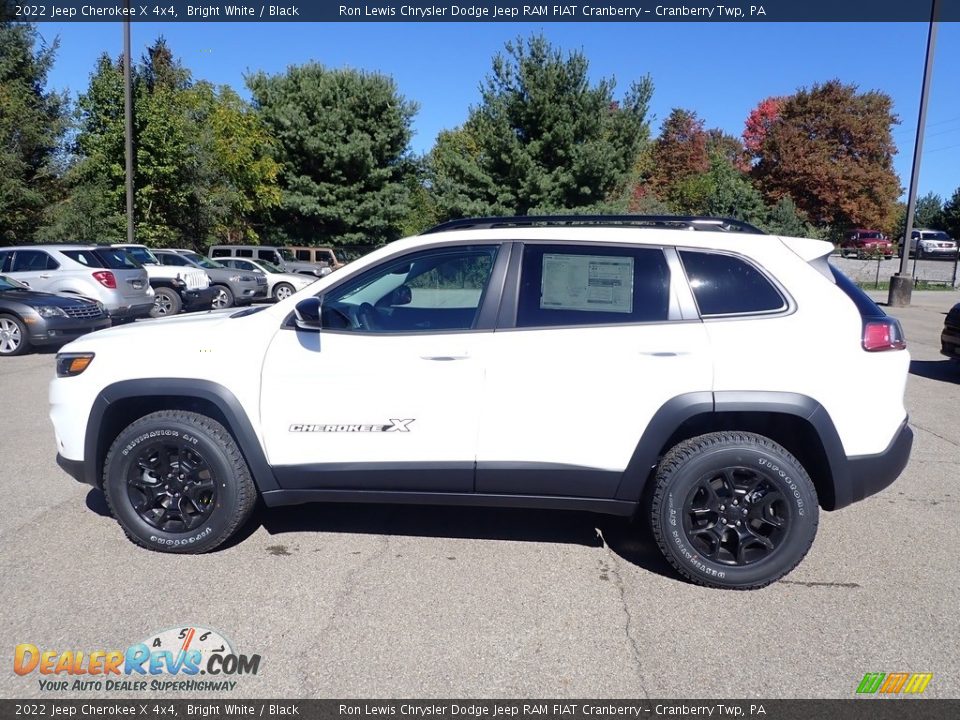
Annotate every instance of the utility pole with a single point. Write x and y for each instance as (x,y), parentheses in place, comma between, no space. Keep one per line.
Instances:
(128,120)
(901,284)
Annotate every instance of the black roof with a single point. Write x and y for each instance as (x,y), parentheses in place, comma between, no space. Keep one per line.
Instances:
(675,222)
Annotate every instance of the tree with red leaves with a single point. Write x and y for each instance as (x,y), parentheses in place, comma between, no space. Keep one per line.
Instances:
(680,152)
(830,149)
(759,122)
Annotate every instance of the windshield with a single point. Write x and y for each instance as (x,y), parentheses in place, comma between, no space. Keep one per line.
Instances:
(269,266)
(936,235)
(10,284)
(203,262)
(142,255)
(871,236)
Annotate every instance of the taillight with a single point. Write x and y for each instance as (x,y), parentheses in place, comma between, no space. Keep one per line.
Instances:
(106,278)
(883,334)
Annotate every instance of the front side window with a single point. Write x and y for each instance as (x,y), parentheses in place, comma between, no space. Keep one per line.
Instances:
(727,285)
(220,252)
(431,291)
(173,260)
(592,285)
(32,261)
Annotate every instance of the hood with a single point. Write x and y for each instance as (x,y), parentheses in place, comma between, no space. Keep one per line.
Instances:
(174,331)
(33,297)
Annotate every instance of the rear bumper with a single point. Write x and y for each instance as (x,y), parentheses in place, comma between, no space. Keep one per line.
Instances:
(869,474)
(950,343)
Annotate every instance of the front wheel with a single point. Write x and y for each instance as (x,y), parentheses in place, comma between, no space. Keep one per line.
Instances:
(223,297)
(733,510)
(14,339)
(281,291)
(177,482)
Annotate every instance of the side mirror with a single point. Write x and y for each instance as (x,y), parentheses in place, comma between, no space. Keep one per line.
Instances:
(307,314)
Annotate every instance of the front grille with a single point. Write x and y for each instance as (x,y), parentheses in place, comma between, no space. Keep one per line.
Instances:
(83,311)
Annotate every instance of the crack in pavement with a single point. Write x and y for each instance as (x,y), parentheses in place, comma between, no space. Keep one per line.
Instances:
(631,641)
(340,602)
(928,430)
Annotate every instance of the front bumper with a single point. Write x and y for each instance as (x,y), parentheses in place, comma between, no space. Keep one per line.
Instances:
(53,331)
(248,292)
(869,474)
(73,468)
(130,312)
(198,299)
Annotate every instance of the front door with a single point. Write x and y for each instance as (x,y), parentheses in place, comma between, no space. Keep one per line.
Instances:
(387,396)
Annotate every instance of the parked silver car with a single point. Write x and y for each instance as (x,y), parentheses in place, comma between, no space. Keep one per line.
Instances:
(280,285)
(97,272)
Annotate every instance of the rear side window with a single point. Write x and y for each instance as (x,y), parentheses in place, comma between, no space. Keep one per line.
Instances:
(592,285)
(116,259)
(32,261)
(270,255)
(220,252)
(303,255)
(727,285)
(244,252)
(85,257)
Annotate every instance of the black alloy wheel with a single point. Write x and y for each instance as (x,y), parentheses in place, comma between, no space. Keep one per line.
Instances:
(171,486)
(736,516)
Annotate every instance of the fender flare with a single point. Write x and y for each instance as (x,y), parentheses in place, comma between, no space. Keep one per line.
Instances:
(238,423)
(678,410)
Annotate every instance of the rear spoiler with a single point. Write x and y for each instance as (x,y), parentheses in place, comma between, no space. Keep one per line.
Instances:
(814,252)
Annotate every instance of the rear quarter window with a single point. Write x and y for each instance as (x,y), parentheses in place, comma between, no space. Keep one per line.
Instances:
(87,258)
(728,285)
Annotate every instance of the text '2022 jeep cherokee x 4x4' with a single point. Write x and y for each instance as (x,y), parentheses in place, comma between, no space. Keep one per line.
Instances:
(615,365)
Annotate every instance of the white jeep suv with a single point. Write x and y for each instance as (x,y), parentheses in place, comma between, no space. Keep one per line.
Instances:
(620,365)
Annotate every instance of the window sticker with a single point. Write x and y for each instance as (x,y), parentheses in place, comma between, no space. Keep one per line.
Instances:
(601,283)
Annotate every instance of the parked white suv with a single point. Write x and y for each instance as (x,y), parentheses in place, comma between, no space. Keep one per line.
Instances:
(613,365)
(97,272)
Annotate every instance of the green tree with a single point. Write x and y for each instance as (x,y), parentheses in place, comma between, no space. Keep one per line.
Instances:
(543,139)
(680,159)
(928,212)
(785,218)
(830,149)
(951,214)
(342,139)
(202,159)
(32,123)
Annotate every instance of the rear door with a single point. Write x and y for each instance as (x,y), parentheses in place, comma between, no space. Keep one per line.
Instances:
(598,339)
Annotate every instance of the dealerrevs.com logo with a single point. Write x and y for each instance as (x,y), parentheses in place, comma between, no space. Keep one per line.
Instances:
(189,659)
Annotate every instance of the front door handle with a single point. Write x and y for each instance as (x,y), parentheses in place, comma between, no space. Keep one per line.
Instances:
(444,357)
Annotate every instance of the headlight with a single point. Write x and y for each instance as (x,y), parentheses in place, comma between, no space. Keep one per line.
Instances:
(242,278)
(101,307)
(70,364)
(49,311)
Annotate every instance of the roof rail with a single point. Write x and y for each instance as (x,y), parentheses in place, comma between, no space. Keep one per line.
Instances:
(677,222)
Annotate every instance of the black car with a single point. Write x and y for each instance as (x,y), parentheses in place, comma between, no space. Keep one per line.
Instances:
(950,337)
(30,318)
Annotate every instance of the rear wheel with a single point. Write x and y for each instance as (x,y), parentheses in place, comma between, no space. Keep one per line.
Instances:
(733,510)
(13,336)
(165,302)
(177,482)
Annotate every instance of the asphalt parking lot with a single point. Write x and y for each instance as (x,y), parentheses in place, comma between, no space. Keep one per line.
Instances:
(379,601)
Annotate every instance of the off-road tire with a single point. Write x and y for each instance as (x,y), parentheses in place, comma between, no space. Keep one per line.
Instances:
(684,468)
(235,496)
